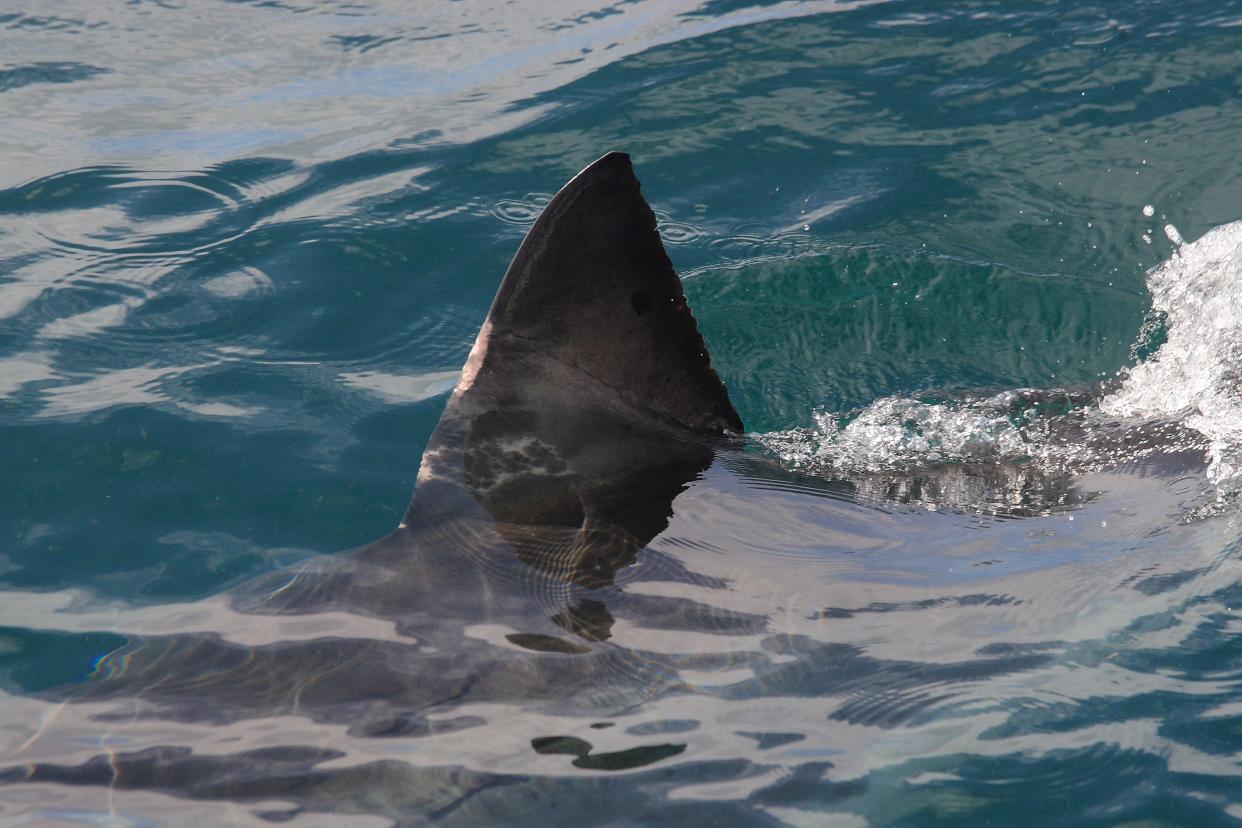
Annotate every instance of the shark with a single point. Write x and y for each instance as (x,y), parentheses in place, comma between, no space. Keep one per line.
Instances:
(596,571)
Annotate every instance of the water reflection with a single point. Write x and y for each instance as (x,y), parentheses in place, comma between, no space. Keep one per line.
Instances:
(741,612)
(544,585)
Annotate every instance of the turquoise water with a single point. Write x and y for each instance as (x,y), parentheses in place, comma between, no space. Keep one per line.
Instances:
(245,249)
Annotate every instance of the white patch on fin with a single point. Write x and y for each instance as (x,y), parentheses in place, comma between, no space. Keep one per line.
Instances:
(475,361)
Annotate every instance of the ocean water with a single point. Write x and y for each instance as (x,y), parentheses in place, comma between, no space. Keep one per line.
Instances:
(245,248)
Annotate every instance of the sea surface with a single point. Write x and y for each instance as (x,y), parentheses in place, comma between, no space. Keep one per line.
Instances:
(245,248)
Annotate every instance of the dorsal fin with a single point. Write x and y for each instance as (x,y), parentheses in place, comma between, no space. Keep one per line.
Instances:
(588,402)
(592,288)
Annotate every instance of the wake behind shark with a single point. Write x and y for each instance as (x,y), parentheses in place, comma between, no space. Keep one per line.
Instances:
(590,538)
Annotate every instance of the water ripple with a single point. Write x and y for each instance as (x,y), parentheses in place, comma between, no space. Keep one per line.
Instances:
(234,300)
(521,211)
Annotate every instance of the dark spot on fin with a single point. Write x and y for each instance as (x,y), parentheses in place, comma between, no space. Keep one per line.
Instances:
(641,301)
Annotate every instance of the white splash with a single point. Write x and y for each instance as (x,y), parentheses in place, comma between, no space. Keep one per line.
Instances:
(894,433)
(1196,375)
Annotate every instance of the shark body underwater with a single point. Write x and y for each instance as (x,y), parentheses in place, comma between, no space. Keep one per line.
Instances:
(594,574)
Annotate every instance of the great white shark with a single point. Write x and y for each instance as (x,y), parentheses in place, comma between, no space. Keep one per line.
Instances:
(589,541)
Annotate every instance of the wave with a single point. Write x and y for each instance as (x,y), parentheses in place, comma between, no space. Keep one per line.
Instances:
(1184,395)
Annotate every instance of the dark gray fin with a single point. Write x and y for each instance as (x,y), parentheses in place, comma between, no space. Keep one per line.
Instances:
(588,402)
(592,288)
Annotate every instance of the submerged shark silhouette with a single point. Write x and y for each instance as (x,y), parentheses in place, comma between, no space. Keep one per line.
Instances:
(587,406)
